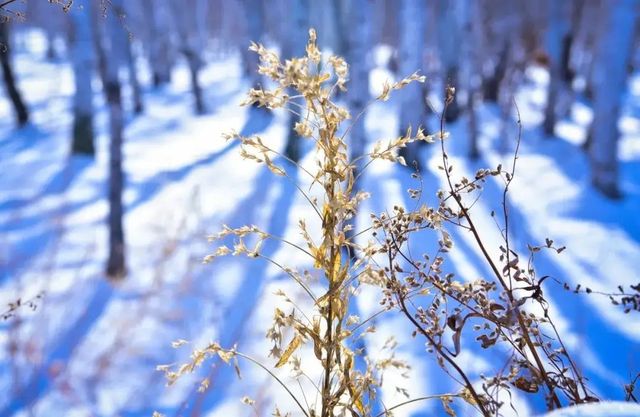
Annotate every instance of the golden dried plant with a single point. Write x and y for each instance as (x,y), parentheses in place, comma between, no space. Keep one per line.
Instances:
(330,332)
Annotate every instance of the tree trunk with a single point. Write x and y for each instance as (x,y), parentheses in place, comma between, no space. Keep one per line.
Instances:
(254,13)
(185,18)
(83,60)
(116,267)
(339,21)
(194,68)
(413,107)
(22,114)
(159,41)
(134,81)
(52,53)
(555,40)
(449,42)
(491,83)
(610,76)
(123,54)
(294,46)
(357,45)
(591,26)
(568,69)
(470,50)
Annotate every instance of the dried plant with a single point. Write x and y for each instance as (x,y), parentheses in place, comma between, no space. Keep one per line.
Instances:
(330,332)
(505,312)
(8,13)
(15,306)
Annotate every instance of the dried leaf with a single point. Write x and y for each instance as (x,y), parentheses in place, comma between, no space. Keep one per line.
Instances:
(293,346)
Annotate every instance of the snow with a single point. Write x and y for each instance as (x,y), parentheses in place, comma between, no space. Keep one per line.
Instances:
(91,346)
(603,409)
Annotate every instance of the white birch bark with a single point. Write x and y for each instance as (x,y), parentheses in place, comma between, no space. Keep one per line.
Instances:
(83,61)
(449,43)
(555,34)
(357,45)
(413,108)
(470,49)
(254,13)
(610,83)
(294,45)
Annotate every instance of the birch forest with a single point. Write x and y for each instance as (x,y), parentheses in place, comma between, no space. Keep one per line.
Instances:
(330,208)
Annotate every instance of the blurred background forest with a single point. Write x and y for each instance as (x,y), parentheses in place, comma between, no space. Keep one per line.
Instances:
(113,166)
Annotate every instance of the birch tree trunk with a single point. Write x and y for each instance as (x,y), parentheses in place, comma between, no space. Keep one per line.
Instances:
(21,112)
(294,45)
(52,53)
(555,37)
(592,23)
(449,42)
(185,20)
(116,267)
(339,22)
(202,23)
(254,14)
(124,54)
(470,68)
(491,82)
(134,81)
(358,43)
(159,41)
(568,72)
(83,60)
(413,107)
(610,76)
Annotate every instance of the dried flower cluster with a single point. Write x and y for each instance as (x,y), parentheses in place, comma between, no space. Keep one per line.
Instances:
(508,309)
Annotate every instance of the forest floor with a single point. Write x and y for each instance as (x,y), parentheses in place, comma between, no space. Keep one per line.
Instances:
(91,346)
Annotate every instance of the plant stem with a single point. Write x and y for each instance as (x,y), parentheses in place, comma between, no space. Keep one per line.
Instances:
(523,327)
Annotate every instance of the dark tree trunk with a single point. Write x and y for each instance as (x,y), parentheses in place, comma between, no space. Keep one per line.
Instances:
(124,45)
(116,265)
(292,147)
(185,21)
(159,41)
(136,89)
(196,88)
(453,109)
(491,84)
(83,135)
(474,150)
(568,74)
(558,40)
(81,42)
(22,114)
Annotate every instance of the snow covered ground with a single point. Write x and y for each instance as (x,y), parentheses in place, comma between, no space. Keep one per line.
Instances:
(603,409)
(91,346)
